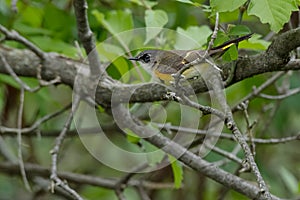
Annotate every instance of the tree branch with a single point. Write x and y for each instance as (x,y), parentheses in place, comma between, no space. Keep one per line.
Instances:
(24,63)
(108,183)
(275,58)
(54,154)
(13,35)
(86,37)
(187,157)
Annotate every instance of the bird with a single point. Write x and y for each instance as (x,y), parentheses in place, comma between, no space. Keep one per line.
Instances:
(164,64)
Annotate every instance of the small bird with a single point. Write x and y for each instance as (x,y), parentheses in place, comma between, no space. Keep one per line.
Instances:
(163,64)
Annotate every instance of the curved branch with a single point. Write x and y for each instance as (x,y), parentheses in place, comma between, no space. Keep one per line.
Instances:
(25,63)
(275,58)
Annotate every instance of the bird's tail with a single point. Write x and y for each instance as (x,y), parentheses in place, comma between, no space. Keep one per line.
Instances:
(225,46)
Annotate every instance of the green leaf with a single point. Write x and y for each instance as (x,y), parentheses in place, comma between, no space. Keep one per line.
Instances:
(274,12)
(154,18)
(30,30)
(238,30)
(118,70)
(191,38)
(51,44)
(131,136)
(9,80)
(116,22)
(221,38)
(177,171)
(100,109)
(122,66)
(109,52)
(56,19)
(33,16)
(227,5)
(254,43)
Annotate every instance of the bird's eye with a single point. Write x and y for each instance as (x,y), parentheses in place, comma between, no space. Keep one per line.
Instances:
(145,58)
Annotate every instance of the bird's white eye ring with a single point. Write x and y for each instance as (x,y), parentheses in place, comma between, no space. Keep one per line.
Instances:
(145,58)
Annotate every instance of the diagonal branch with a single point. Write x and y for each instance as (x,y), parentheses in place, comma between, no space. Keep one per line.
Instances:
(231,125)
(54,154)
(14,35)
(188,157)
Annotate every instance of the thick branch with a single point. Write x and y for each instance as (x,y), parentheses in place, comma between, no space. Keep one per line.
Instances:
(274,59)
(25,63)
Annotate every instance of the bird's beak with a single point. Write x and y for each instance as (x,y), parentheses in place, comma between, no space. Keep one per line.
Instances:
(135,59)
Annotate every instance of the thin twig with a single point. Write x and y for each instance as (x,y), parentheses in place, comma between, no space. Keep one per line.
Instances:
(54,153)
(43,184)
(210,45)
(201,57)
(230,123)
(214,35)
(81,179)
(23,84)
(14,35)
(37,123)
(20,156)
(280,97)
(258,90)
(234,152)
(143,194)
(255,92)
(250,126)
(204,109)
(267,141)
(224,153)
(120,194)
(79,52)
(229,136)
